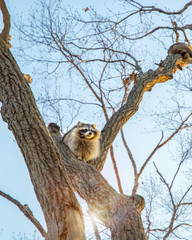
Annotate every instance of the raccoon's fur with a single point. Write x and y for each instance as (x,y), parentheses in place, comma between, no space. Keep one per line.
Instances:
(83,140)
(184,50)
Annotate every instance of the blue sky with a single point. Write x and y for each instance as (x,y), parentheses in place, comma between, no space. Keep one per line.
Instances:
(14,178)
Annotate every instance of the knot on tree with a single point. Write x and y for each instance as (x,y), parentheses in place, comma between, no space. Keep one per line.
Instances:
(127,203)
(139,202)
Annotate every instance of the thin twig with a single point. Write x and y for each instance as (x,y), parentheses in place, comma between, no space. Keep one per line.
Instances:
(154,9)
(175,208)
(159,145)
(188,26)
(150,156)
(166,184)
(133,163)
(116,169)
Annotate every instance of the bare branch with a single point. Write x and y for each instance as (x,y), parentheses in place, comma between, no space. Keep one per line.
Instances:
(144,83)
(150,156)
(179,166)
(70,59)
(188,26)
(175,30)
(175,12)
(181,225)
(116,169)
(162,144)
(27,212)
(154,9)
(4,35)
(166,184)
(102,94)
(184,195)
(177,130)
(68,99)
(170,227)
(133,163)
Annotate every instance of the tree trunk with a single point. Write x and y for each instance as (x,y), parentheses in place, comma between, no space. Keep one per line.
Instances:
(52,186)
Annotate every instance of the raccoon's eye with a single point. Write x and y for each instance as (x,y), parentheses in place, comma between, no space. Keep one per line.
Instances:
(83,131)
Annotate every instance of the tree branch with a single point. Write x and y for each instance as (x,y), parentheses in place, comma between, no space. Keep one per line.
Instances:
(173,217)
(4,35)
(144,83)
(166,184)
(154,9)
(159,145)
(27,212)
(116,169)
(102,199)
(133,163)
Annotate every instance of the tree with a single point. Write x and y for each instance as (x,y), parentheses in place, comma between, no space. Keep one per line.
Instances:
(53,169)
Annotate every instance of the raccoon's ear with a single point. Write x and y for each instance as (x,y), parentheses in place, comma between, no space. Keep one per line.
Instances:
(79,124)
(94,126)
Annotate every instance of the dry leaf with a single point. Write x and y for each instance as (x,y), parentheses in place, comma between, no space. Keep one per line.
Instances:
(86,9)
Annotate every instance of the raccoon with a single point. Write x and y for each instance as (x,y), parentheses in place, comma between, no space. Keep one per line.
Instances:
(184,50)
(83,140)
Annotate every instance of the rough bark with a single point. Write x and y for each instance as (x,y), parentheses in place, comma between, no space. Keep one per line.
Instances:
(52,187)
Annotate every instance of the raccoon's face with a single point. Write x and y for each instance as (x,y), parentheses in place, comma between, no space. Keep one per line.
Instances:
(87,131)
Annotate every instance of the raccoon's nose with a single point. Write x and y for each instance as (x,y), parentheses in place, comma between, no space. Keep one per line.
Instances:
(89,134)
